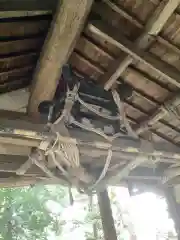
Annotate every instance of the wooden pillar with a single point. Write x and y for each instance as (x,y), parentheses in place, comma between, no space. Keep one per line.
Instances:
(106,216)
(174,208)
(64,32)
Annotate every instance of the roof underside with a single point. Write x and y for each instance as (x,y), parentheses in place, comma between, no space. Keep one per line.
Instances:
(22,38)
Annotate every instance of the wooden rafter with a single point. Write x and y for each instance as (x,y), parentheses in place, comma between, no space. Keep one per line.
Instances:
(28,5)
(161,112)
(162,68)
(58,46)
(151,30)
(138,24)
(137,54)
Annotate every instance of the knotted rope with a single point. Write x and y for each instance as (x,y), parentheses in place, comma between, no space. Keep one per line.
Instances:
(66,156)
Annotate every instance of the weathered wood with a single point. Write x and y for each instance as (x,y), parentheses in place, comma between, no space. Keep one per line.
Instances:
(20,46)
(59,44)
(28,5)
(165,70)
(123,13)
(106,216)
(153,27)
(24,28)
(136,22)
(12,149)
(23,128)
(11,163)
(162,68)
(20,61)
(15,73)
(23,13)
(23,168)
(161,112)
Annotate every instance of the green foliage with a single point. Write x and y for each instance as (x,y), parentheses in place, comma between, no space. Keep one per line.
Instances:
(24,213)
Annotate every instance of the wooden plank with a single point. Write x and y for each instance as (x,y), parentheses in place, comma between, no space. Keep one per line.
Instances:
(28,5)
(23,28)
(162,68)
(15,84)
(161,112)
(120,11)
(102,11)
(20,46)
(11,163)
(23,13)
(168,72)
(136,22)
(11,149)
(59,45)
(153,27)
(15,73)
(8,63)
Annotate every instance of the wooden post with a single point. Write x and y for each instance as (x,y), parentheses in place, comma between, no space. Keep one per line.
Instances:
(174,208)
(64,32)
(106,216)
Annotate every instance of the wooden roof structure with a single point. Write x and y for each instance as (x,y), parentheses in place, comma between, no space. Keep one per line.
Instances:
(110,41)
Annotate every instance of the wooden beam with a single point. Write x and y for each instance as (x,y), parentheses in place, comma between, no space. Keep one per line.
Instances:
(11,163)
(18,61)
(136,22)
(20,130)
(18,47)
(160,113)
(106,216)
(60,42)
(28,5)
(123,13)
(137,54)
(152,29)
(23,13)
(162,68)
(11,149)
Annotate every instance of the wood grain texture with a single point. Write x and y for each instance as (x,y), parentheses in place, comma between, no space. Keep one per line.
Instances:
(64,32)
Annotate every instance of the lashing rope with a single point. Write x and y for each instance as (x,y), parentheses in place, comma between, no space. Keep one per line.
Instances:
(65,156)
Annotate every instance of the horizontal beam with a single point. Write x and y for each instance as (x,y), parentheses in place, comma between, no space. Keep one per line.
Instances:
(23,13)
(11,149)
(19,47)
(18,61)
(24,128)
(28,5)
(10,164)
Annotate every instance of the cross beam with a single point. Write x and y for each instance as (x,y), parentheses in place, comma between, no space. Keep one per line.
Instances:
(151,30)
(162,68)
